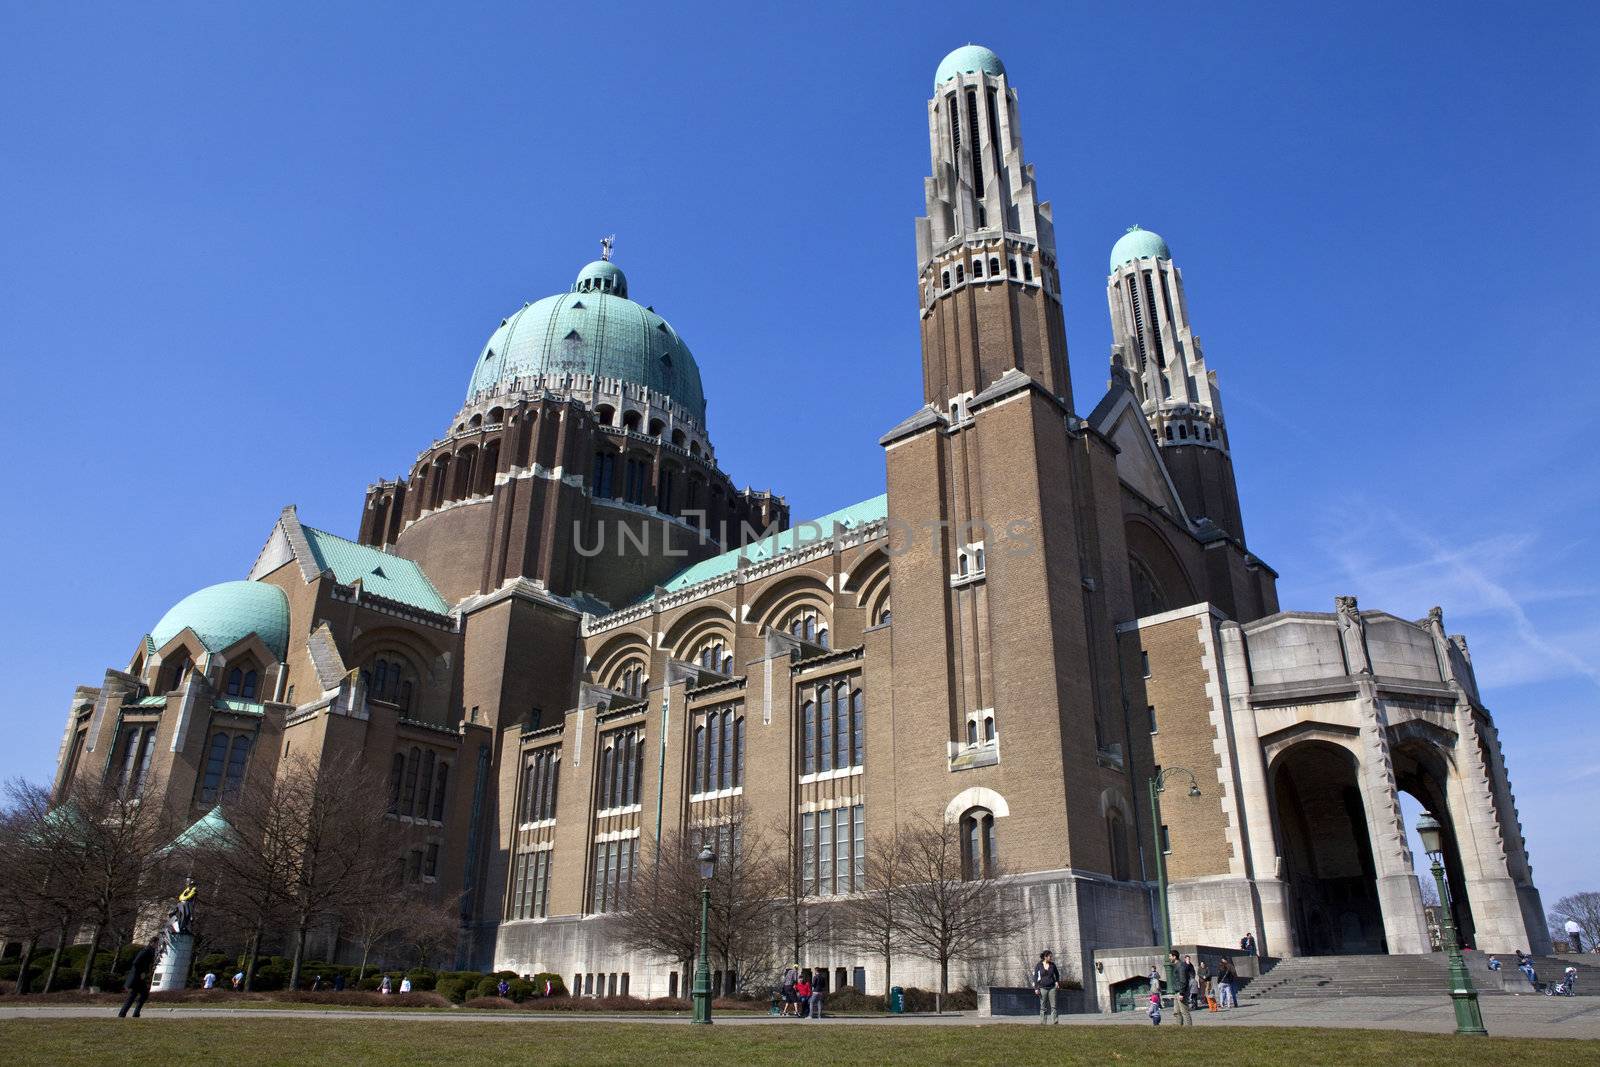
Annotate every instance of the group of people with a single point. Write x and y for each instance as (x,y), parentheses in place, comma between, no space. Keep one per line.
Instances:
(1197,985)
(800,993)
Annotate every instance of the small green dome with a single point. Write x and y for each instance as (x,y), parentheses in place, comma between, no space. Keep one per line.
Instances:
(602,275)
(594,329)
(1138,244)
(968,59)
(227,612)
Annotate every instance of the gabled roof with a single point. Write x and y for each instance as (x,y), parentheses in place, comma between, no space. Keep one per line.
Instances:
(389,576)
(210,830)
(319,552)
(800,535)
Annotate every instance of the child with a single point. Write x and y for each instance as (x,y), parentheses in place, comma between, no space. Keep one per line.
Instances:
(1155,1008)
(802,992)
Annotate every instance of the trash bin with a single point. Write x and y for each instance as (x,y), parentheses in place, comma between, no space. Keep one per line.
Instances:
(897,999)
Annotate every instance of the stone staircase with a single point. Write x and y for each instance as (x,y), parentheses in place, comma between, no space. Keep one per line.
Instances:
(1397,976)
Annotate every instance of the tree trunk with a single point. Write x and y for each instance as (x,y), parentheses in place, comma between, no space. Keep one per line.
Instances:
(250,959)
(88,962)
(55,957)
(299,951)
(944,985)
(366,948)
(22,965)
(888,980)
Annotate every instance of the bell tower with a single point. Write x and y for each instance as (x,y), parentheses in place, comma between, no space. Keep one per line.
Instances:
(986,250)
(1155,352)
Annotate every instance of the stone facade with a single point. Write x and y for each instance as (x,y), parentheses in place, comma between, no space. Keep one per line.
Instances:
(1042,609)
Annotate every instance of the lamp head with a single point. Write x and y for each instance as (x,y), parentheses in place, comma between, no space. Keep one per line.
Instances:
(1194,789)
(1432,834)
(708,863)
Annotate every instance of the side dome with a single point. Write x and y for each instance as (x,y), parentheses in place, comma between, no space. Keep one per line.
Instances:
(1138,244)
(227,612)
(596,330)
(968,59)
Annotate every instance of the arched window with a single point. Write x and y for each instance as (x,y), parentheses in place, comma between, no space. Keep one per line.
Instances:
(972,731)
(1013,267)
(977,844)
(988,729)
(977,560)
(825,721)
(858,729)
(944,279)
(1027,270)
(248,690)
(405,696)
(1118,840)
(961,273)
(809,719)
(237,756)
(631,420)
(977,268)
(235,681)
(216,757)
(178,671)
(961,564)
(994,266)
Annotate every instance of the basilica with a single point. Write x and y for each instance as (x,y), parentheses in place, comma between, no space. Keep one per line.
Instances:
(566,632)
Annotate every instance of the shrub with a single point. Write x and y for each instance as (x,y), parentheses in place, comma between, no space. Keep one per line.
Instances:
(454,989)
(522,989)
(66,979)
(489,1002)
(421,980)
(487,986)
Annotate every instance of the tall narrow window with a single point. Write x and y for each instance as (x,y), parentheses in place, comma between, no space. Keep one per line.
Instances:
(409,801)
(397,773)
(439,792)
(430,865)
(697,776)
(858,729)
(738,752)
(825,714)
(141,767)
(425,785)
(808,853)
(809,717)
(235,681)
(841,725)
(238,755)
(977,844)
(215,758)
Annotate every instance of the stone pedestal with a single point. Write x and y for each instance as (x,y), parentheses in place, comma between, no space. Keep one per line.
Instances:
(172,968)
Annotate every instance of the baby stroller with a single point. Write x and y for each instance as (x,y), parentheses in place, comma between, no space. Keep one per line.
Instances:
(1567,987)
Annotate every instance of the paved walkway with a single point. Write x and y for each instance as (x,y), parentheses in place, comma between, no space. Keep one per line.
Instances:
(1530,1016)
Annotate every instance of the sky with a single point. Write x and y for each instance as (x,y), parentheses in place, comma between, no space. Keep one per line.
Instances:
(248,254)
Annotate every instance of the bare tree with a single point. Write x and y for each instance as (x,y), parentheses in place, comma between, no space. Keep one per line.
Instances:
(113,841)
(663,910)
(305,846)
(36,903)
(1429,891)
(946,913)
(871,918)
(802,918)
(430,927)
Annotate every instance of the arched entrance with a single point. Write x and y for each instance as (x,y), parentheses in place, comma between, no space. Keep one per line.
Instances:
(1327,853)
(1420,771)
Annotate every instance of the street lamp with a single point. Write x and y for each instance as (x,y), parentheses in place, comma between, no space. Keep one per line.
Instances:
(1158,784)
(1469,1020)
(702,972)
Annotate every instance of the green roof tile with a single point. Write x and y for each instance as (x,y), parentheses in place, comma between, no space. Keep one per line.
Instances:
(389,576)
(227,612)
(797,536)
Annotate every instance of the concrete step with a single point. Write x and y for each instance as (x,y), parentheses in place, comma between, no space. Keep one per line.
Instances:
(1385,976)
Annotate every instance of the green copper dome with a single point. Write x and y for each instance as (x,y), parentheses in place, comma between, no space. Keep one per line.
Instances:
(968,59)
(227,612)
(1138,244)
(594,329)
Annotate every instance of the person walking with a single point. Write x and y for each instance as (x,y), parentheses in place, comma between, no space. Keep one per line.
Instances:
(1247,944)
(238,981)
(405,984)
(1180,990)
(1046,979)
(1208,989)
(819,991)
(802,994)
(137,983)
(384,987)
(1154,1011)
(338,983)
(1190,982)
(209,981)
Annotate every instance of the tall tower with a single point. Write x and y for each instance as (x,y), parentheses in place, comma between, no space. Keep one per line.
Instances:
(1154,351)
(986,251)
(1008,557)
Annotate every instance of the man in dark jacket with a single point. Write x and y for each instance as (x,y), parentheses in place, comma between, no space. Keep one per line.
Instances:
(1046,978)
(138,981)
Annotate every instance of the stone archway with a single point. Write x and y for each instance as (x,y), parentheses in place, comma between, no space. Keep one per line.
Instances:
(1422,772)
(1322,831)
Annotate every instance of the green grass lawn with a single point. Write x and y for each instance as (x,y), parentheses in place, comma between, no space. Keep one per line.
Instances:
(158,1041)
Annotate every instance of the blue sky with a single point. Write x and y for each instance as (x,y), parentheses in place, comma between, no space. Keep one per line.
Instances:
(247,256)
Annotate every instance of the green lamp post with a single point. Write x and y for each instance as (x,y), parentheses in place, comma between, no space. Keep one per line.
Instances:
(702,970)
(1158,784)
(1469,1020)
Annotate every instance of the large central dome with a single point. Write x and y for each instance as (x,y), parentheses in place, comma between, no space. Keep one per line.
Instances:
(596,330)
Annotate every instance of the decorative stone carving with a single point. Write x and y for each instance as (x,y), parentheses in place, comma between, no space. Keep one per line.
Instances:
(1352,635)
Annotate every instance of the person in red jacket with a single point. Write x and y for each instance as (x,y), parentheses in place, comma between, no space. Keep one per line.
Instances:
(802,991)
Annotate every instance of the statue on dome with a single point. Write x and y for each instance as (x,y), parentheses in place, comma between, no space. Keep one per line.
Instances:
(607,243)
